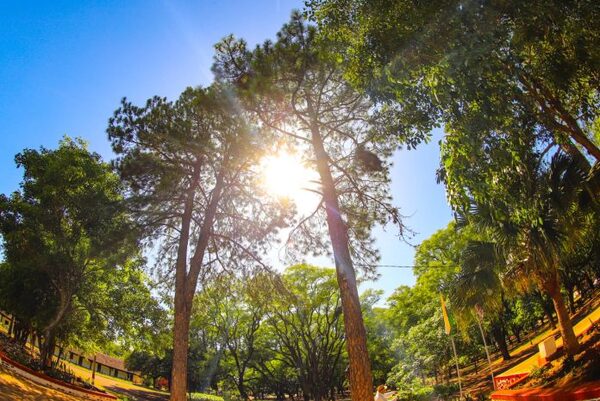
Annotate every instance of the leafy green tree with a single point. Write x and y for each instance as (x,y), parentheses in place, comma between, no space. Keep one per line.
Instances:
(67,241)
(150,365)
(303,319)
(534,227)
(422,347)
(191,170)
(479,288)
(295,87)
(225,306)
(379,335)
(454,62)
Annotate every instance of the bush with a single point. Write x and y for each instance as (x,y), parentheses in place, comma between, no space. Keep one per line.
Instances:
(419,394)
(204,397)
(445,391)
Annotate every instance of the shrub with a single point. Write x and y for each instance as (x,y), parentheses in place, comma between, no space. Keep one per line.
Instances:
(204,397)
(445,391)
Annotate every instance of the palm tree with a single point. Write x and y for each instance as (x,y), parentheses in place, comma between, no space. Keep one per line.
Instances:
(535,226)
(478,286)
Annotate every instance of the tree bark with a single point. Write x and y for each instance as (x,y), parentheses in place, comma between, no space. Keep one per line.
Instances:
(499,337)
(11,326)
(565,325)
(181,324)
(186,282)
(181,329)
(361,380)
(547,309)
(46,348)
(242,387)
(555,112)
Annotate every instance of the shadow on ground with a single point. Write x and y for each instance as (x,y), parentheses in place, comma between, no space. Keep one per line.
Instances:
(138,395)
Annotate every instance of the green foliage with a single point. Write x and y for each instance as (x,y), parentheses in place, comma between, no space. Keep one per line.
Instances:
(304,329)
(379,335)
(227,317)
(204,397)
(70,251)
(474,64)
(192,170)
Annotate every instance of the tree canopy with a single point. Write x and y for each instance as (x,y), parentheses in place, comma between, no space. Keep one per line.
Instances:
(451,62)
(70,250)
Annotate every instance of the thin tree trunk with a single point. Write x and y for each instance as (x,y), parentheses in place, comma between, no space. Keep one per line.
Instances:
(58,357)
(500,339)
(547,310)
(361,380)
(46,348)
(571,295)
(11,326)
(242,388)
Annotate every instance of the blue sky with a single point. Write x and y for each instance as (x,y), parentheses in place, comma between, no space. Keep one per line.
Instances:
(65,65)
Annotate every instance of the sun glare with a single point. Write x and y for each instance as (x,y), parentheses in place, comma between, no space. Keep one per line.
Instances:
(285,176)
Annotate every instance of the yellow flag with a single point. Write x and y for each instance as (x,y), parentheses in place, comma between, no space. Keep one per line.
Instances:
(445,313)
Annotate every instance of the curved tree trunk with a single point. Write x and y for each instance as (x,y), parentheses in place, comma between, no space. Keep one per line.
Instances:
(551,285)
(361,380)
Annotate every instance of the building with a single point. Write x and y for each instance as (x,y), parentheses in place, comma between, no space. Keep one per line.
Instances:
(105,364)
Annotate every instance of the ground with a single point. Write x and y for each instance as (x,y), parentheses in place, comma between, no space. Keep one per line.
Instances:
(119,386)
(524,358)
(14,388)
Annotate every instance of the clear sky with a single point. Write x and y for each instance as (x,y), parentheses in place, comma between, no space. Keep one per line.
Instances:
(65,65)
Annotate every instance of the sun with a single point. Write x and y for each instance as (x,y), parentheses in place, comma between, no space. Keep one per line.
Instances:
(285,176)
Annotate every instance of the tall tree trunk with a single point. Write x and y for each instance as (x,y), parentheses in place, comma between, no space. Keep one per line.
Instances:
(571,295)
(517,332)
(46,350)
(186,282)
(361,380)
(181,329)
(552,286)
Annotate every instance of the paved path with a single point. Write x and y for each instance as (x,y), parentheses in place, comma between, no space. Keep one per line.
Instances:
(532,362)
